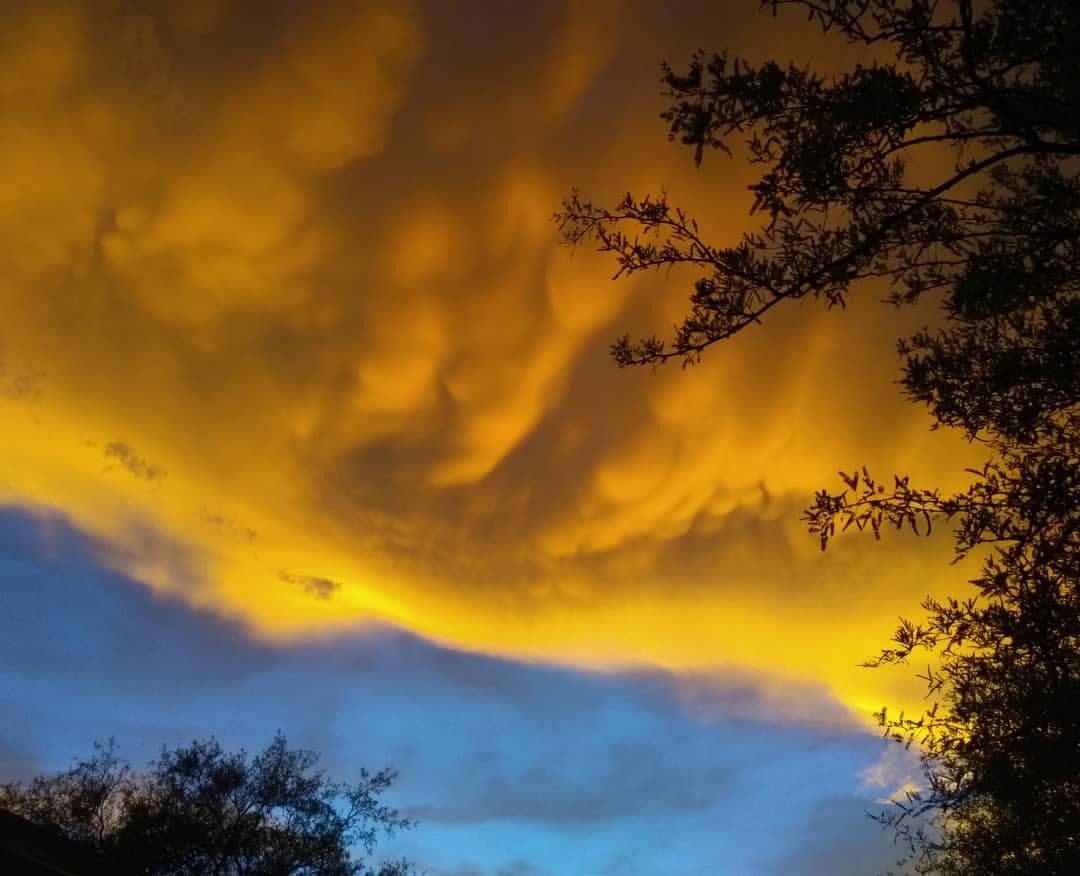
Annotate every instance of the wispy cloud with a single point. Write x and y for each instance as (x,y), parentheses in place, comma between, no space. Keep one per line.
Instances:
(126,456)
(320,588)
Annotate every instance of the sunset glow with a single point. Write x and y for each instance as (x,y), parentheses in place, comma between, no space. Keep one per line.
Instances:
(288,336)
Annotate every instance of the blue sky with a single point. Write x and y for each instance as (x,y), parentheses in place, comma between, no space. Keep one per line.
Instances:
(511,768)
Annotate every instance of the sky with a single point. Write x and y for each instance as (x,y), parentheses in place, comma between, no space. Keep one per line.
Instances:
(310,424)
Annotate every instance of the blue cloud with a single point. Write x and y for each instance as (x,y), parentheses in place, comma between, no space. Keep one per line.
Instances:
(514,769)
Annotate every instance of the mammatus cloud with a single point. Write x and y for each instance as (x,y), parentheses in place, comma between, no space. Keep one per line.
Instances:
(300,256)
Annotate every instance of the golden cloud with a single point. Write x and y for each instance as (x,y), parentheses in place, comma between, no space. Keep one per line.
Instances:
(300,258)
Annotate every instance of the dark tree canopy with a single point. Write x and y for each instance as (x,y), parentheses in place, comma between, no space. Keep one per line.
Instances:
(988,94)
(200,811)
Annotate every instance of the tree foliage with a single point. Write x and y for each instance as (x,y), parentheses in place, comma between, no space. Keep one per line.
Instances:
(201,811)
(988,96)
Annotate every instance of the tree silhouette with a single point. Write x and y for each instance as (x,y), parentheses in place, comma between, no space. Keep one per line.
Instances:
(987,93)
(200,811)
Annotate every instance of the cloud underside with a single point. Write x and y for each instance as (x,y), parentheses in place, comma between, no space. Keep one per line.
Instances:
(300,259)
(510,767)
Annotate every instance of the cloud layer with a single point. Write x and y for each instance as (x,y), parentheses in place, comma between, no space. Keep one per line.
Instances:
(299,258)
(510,767)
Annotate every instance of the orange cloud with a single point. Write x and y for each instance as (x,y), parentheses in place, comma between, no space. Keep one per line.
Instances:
(302,261)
